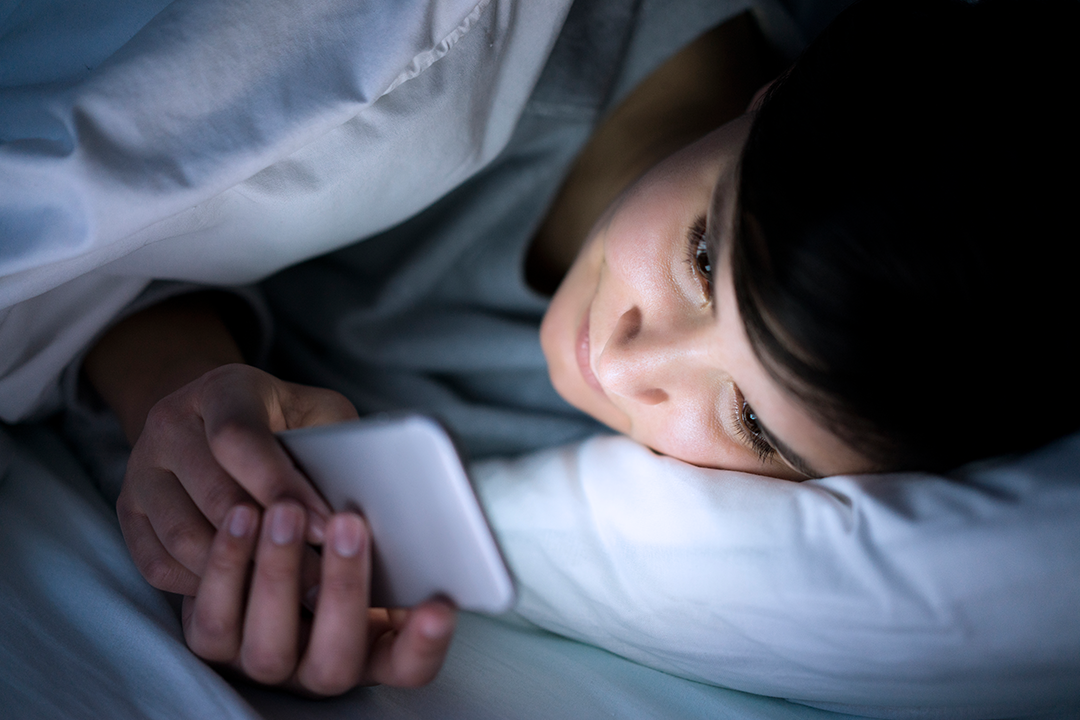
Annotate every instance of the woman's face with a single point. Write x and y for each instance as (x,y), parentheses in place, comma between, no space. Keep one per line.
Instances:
(644,334)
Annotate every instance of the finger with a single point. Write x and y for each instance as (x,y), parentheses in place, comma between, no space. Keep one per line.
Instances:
(174,439)
(212,628)
(240,420)
(151,558)
(304,406)
(178,524)
(413,655)
(268,650)
(184,447)
(334,658)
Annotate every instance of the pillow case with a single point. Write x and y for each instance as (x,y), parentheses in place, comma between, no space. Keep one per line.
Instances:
(885,595)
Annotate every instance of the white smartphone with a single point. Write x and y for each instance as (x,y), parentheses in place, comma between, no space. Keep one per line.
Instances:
(430,536)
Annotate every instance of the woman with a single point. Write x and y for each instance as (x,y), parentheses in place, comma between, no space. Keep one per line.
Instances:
(897,190)
(693,320)
(382,339)
(696,321)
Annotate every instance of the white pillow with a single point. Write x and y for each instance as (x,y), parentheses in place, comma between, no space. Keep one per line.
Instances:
(885,594)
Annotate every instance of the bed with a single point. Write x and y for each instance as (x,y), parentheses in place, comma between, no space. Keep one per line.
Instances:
(85,636)
(909,596)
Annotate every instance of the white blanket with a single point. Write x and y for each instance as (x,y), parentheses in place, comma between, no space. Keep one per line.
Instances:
(222,140)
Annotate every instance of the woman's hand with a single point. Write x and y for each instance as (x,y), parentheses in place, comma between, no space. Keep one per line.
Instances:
(204,465)
(206,448)
(262,633)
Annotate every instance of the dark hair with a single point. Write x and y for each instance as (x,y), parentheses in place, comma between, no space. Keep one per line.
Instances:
(903,259)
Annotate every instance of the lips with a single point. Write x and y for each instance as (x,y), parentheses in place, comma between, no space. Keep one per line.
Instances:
(583,355)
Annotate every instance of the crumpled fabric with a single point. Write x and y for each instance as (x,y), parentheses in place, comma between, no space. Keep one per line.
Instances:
(216,141)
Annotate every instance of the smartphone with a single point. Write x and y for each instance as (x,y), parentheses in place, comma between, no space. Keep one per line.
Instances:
(429,534)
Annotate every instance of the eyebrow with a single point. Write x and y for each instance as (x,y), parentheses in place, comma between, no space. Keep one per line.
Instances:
(790,456)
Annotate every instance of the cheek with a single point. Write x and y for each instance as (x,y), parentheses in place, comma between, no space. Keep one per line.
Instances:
(691,437)
(557,338)
(559,334)
(558,331)
(688,426)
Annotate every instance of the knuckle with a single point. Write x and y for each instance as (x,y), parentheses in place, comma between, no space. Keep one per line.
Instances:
(339,404)
(228,432)
(278,571)
(220,497)
(156,571)
(164,414)
(265,665)
(225,560)
(218,382)
(329,678)
(185,540)
(242,446)
(343,586)
(162,573)
(218,374)
(211,638)
(168,417)
(211,626)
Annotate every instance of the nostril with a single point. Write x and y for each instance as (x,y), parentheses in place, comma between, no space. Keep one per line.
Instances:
(629,325)
(628,365)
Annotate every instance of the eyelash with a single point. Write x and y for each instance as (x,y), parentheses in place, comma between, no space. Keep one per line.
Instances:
(696,251)
(743,415)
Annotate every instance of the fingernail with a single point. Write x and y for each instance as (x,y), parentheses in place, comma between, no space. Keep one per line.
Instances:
(241,521)
(348,535)
(317,528)
(284,524)
(434,628)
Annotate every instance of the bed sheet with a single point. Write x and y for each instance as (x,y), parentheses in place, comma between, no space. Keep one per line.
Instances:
(86,637)
(499,670)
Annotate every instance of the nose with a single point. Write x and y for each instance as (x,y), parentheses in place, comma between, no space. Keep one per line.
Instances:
(650,362)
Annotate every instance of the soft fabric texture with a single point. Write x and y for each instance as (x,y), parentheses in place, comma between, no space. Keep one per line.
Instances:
(75,607)
(902,597)
(894,596)
(83,636)
(435,314)
(898,596)
(217,141)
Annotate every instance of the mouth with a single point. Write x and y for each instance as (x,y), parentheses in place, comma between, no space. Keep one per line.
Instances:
(582,350)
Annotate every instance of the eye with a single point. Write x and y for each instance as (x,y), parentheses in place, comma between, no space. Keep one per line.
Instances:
(748,427)
(698,253)
(749,420)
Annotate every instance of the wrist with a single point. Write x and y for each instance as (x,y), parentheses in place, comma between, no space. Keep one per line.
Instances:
(155,352)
